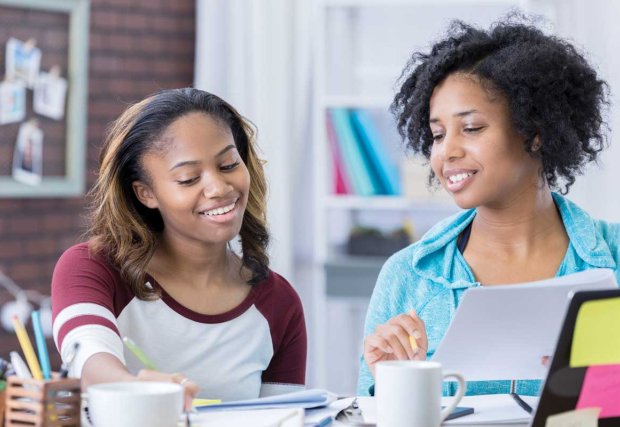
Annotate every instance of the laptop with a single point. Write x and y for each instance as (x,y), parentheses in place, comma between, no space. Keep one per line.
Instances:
(575,354)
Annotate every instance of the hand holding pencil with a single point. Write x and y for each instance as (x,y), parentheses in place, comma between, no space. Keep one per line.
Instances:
(401,338)
(152,374)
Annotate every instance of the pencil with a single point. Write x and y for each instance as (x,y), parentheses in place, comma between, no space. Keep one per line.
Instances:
(26,345)
(44,357)
(148,364)
(413,343)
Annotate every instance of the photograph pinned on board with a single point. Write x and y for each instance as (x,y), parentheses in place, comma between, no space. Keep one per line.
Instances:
(50,92)
(23,60)
(27,157)
(12,101)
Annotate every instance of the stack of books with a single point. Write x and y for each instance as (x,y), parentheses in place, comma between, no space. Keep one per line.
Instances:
(361,164)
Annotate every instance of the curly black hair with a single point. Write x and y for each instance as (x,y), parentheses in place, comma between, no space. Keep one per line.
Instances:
(551,90)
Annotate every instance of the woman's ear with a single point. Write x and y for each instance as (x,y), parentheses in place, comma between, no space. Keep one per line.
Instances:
(536,144)
(144,193)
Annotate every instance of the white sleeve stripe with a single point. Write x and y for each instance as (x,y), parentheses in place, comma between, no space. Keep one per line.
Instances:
(93,339)
(81,309)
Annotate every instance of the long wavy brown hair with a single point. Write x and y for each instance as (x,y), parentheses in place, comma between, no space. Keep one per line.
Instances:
(126,232)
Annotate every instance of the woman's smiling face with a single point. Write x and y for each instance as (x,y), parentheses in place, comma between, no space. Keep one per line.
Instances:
(477,154)
(197,180)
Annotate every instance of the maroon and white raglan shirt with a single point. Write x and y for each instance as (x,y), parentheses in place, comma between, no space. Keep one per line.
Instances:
(256,349)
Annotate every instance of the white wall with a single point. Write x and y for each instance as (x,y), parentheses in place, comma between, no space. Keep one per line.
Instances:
(593,25)
(257,55)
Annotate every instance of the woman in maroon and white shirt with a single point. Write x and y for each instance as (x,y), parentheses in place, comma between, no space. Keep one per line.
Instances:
(178,180)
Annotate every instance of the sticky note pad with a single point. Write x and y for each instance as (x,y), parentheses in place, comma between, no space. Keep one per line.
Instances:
(601,388)
(577,418)
(596,340)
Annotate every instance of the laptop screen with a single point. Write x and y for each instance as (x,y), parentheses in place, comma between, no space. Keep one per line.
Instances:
(585,369)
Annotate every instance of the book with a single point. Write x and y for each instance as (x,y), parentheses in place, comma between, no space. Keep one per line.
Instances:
(382,168)
(291,417)
(312,398)
(341,184)
(352,154)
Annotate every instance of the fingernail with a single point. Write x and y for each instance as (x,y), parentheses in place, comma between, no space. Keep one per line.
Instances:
(416,334)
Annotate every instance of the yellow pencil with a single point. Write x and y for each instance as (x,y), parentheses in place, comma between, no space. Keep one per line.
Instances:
(26,345)
(413,343)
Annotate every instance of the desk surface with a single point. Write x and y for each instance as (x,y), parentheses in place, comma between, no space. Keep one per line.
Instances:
(488,408)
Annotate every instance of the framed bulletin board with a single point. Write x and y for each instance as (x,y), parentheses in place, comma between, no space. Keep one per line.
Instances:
(60,30)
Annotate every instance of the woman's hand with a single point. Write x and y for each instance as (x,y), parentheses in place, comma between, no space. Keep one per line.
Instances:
(190,388)
(391,340)
(105,368)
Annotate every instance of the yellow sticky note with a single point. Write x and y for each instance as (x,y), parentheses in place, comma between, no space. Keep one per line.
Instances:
(578,418)
(596,340)
(205,402)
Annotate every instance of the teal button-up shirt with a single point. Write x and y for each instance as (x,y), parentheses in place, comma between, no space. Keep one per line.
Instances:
(431,275)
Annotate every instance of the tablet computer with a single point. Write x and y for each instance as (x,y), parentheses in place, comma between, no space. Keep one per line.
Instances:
(503,332)
(574,355)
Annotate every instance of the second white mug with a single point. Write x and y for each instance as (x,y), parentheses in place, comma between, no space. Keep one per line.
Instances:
(408,393)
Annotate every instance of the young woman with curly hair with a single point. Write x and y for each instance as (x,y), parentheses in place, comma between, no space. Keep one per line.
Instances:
(179,178)
(504,117)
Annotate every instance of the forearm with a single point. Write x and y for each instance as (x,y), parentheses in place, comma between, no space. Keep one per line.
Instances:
(104,368)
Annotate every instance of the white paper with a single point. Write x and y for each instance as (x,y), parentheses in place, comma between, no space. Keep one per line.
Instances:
(27,157)
(49,96)
(493,409)
(301,399)
(22,62)
(12,102)
(503,332)
(587,417)
(489,409)
(262,418)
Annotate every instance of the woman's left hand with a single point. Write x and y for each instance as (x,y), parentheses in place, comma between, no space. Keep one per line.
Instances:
(190,388)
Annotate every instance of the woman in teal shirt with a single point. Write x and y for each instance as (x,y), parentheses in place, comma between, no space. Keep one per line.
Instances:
(504,117)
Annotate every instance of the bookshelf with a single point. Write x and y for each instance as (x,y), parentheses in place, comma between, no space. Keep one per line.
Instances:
(361,47)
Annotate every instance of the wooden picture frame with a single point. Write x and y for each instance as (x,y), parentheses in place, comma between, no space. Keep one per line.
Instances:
(72,184)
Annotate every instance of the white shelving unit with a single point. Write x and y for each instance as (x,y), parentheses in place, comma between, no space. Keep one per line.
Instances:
(361,48)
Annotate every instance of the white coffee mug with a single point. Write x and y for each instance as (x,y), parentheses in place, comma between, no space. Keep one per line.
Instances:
(408,393)
(138,403)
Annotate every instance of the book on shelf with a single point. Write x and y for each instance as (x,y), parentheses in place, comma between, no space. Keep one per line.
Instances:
(352,155)
(359,156)
(341,183)
(380,165)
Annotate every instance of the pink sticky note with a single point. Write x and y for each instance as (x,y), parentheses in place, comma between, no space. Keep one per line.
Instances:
(601,388)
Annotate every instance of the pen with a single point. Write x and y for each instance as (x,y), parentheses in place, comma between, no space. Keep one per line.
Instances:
(26,345)
(64,369)
(522,403)
(44,357)
(139,354)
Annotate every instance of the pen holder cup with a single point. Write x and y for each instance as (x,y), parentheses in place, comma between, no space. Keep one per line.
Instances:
(42,403)
(2,398)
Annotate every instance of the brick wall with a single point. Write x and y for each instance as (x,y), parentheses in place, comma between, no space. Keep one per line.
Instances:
(136,48)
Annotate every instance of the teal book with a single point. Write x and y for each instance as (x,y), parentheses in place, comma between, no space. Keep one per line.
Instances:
(352,154)
(382,167)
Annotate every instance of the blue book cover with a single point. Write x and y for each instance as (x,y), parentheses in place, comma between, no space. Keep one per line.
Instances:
(352,155)
(379,162)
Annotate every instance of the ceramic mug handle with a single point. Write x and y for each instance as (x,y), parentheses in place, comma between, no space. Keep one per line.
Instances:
(460,392)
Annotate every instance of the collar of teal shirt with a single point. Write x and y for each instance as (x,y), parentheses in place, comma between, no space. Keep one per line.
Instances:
(586,241)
